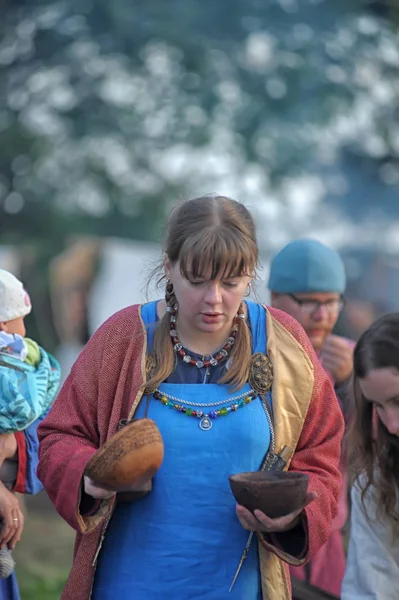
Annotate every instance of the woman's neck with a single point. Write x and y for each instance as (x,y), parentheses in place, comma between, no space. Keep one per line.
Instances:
(199,342)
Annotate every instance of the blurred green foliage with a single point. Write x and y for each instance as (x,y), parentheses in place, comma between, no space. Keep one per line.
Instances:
(33,587)
(110,111)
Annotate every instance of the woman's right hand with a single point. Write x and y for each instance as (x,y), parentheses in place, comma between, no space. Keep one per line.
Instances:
(100,493)
(95,491)
(12,518)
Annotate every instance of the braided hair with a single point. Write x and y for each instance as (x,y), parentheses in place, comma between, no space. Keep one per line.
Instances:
(210,234)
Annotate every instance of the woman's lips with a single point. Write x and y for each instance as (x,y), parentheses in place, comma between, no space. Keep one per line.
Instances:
(211,317)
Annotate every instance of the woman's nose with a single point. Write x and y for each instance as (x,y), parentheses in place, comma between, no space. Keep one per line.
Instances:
(213,293)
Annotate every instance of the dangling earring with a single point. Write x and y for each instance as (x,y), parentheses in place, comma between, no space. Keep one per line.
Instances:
(248,290)
(169,293)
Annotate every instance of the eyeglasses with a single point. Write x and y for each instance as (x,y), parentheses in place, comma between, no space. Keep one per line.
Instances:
(310,307)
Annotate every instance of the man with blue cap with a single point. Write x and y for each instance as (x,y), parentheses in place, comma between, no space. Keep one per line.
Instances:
(307,280)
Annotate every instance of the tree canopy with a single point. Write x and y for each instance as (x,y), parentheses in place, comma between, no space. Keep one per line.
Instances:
(110,111)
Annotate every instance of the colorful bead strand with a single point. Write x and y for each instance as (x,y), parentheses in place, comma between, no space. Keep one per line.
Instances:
(205,418)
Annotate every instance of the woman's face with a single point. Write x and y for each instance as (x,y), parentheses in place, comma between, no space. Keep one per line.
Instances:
(381,387)
(207,305)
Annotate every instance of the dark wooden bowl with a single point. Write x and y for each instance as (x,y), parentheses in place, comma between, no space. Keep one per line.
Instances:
(276,494)
(129,458)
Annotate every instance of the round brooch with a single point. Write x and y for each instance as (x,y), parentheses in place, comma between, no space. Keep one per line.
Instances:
(260,373)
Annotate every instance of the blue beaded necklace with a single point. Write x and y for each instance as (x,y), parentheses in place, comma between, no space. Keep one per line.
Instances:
(205,418)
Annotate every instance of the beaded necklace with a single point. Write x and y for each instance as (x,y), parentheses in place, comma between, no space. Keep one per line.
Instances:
(205,418)
(209,360)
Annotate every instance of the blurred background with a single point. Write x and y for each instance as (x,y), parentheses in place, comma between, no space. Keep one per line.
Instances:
(110,112)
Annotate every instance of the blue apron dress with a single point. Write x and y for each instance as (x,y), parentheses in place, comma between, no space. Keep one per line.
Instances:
(183,540)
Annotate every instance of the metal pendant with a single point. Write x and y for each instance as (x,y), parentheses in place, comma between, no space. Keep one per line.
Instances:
(205,423)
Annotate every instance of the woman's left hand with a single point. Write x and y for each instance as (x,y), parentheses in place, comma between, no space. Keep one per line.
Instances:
(12,519)
(258,521)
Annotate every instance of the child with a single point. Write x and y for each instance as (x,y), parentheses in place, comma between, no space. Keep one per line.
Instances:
(29,379)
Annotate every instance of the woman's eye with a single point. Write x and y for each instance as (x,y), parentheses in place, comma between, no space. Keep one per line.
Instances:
(231,283)
(196,282)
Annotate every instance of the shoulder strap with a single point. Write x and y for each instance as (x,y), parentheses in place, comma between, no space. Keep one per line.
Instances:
(149,316)
(257,320)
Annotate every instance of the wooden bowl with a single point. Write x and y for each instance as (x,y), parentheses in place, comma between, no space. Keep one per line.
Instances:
(129,458)
(274,493)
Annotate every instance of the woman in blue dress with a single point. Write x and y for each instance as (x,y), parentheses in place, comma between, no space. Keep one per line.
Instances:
(211,358)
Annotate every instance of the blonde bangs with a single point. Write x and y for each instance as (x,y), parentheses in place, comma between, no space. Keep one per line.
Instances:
(217,253)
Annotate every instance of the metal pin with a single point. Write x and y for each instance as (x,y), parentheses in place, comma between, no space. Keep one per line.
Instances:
(243,557)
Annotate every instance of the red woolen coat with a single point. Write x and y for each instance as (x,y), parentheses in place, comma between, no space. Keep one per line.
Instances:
(107,380)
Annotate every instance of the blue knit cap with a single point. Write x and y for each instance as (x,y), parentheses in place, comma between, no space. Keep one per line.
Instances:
(307,266)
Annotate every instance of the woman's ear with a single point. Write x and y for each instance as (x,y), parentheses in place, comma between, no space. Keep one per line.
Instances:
(3,326)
